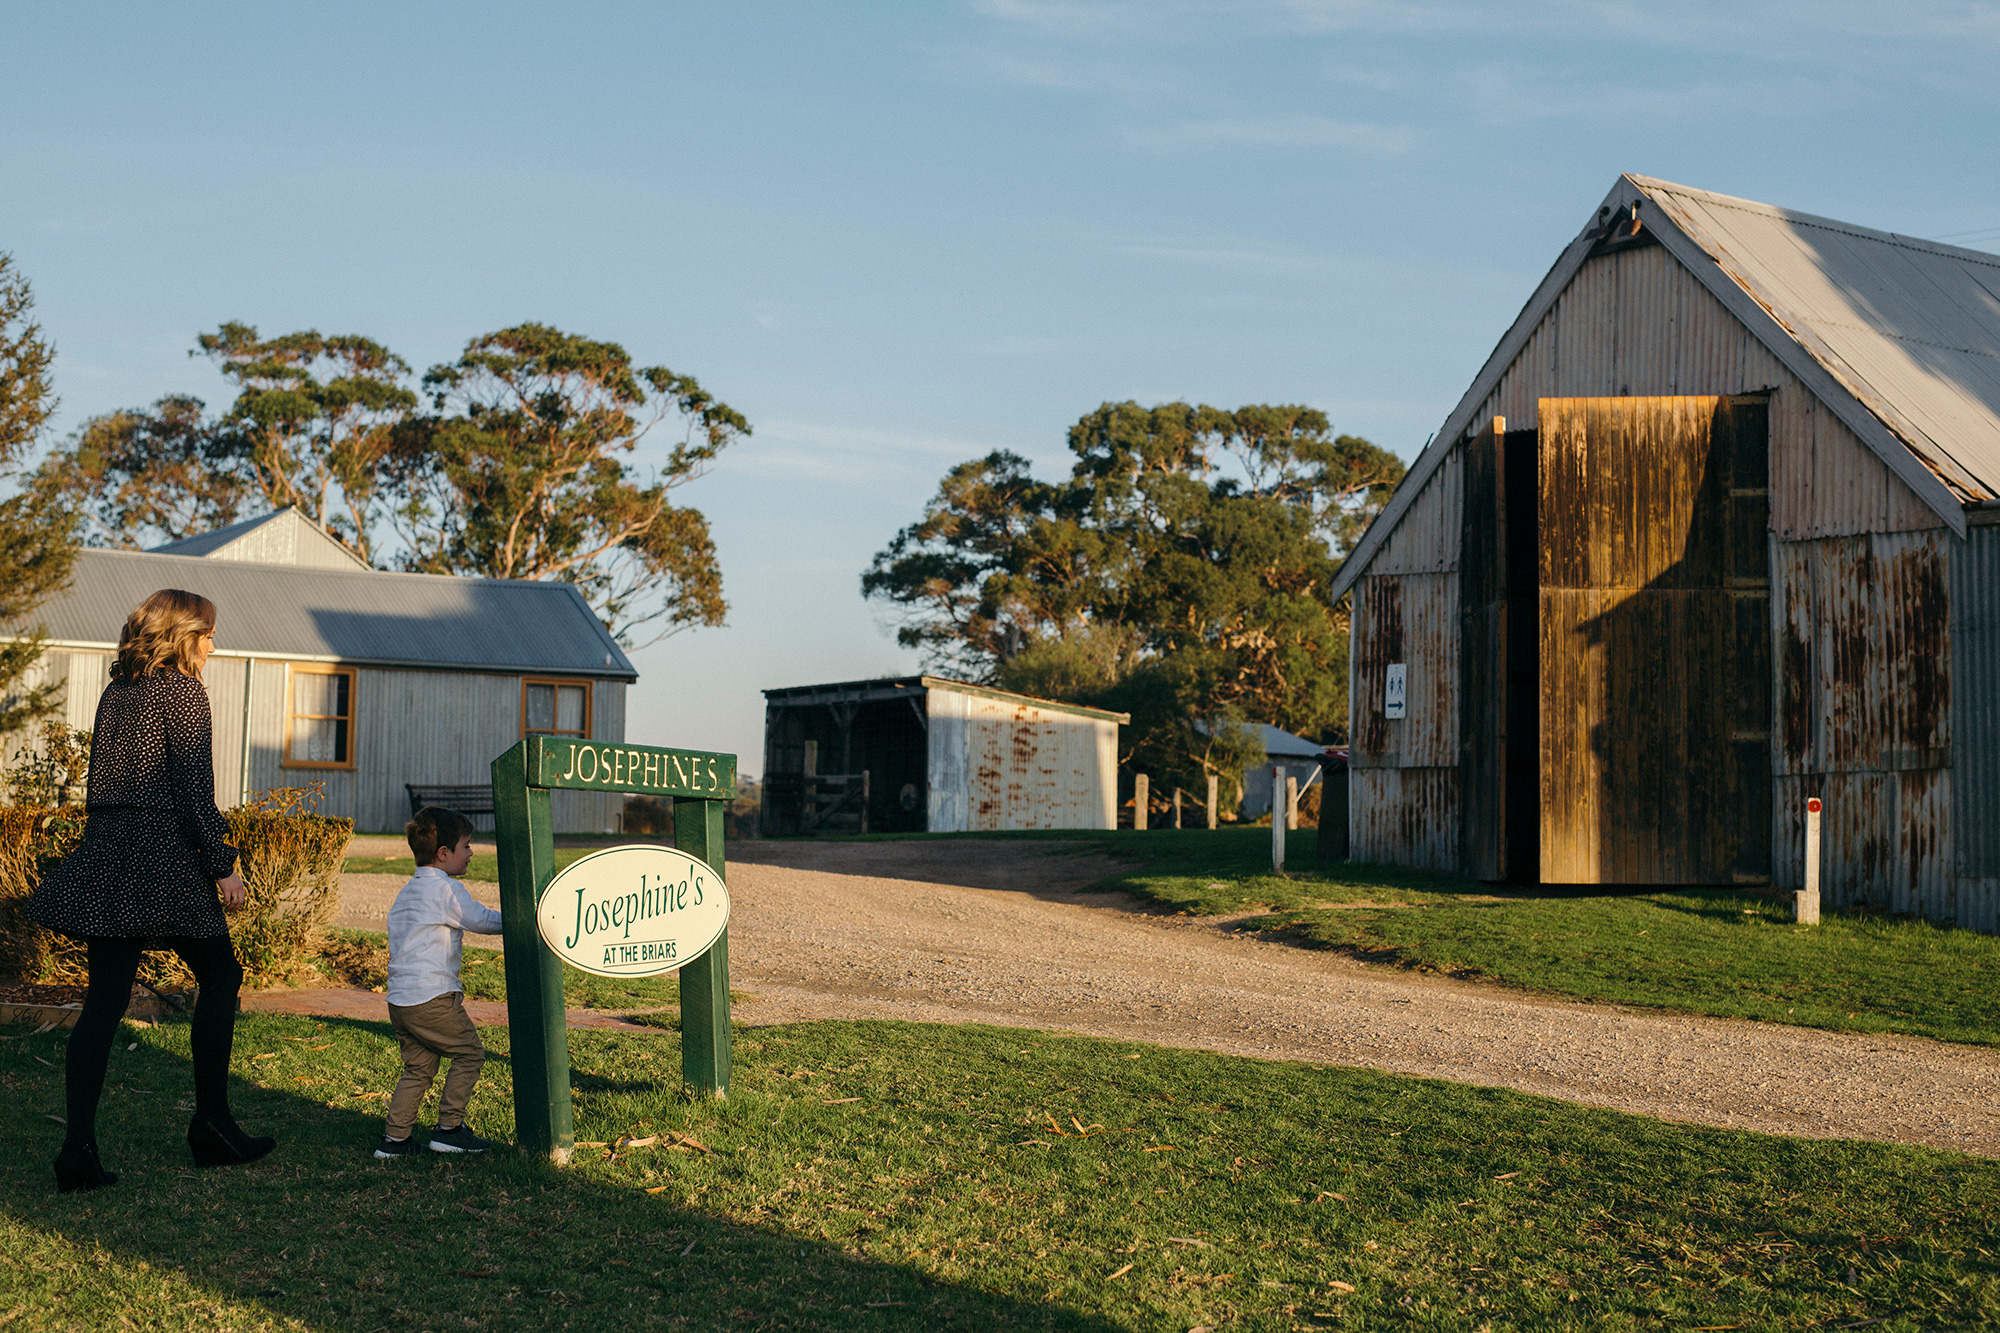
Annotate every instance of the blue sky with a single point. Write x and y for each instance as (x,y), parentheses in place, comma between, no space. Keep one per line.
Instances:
(897,236)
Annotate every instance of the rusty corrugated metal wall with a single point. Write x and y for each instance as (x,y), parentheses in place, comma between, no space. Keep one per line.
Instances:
(1864,717)
(1403,798)
(996,763)
(1975,723)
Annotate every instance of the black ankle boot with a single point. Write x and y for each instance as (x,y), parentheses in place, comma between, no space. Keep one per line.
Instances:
(223,1142)
(77,1168)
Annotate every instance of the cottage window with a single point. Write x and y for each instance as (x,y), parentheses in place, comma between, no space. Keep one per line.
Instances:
(319,717)
(555,708)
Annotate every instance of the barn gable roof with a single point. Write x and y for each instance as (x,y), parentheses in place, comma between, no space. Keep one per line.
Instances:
(1898,337)
(361,616)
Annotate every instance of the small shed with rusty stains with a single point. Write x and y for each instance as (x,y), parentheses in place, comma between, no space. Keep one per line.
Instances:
(923,753)
(1713,531)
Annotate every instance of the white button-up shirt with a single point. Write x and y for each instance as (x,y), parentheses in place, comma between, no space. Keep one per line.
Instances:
(427,928)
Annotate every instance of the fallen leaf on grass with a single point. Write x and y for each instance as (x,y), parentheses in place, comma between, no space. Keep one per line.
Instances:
(267,1055)
(1509,1176)
(1118,1274)
(1189,1240)
(58,1119)
(1329,1194)
(1040,1143)
(1344,1288)
(627,1141)
(656,1189)
(1159,1147)
(842,1101)
(590,1143)
(1202,1328)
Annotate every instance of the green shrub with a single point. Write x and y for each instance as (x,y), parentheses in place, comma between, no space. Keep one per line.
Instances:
(291,859)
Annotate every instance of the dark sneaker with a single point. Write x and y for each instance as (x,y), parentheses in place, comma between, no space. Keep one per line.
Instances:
(457,1139)
(389,1147)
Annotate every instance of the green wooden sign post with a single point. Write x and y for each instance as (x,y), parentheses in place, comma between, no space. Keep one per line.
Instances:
(701,785)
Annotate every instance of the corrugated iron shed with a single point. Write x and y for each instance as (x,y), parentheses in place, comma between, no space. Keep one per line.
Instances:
(348,615)
(929,753)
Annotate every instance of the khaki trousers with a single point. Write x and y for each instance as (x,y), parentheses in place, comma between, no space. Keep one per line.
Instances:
(439,1028)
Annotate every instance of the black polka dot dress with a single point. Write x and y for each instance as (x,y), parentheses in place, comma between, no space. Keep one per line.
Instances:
(154,844)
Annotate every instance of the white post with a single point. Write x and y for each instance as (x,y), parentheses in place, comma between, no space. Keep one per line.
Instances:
(1277,819)
(1142,800)
(243,760)
(1805,903)
(1291,804)
(1212,780)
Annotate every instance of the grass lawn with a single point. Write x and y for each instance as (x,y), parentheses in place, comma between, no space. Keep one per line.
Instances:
(1706,951)
(903,1176)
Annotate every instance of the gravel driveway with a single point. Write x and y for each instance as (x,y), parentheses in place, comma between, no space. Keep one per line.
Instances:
(997,932)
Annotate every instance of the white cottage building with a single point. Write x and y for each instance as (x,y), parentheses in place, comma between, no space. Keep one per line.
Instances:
(366,681)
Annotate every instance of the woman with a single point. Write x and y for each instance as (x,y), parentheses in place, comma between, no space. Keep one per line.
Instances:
(155,869)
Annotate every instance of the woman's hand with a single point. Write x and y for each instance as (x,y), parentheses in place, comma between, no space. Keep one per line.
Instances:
(232,891)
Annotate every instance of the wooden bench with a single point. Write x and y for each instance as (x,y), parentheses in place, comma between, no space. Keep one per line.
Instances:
(466,798)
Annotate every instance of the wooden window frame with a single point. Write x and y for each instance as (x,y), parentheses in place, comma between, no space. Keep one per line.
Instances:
(353,674)
(589,705)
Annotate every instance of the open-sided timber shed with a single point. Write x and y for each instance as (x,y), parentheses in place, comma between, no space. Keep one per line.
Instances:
(921,753)
(1712,532)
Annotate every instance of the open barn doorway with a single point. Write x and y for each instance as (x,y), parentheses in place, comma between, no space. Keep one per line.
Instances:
(1500,663)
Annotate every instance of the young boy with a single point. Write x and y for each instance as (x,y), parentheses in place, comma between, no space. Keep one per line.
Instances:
(427,928)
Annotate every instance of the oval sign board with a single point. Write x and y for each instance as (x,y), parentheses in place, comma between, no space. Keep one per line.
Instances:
(633,911)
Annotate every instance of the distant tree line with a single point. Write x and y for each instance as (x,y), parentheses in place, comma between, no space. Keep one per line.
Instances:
(510,462)
(1181,574)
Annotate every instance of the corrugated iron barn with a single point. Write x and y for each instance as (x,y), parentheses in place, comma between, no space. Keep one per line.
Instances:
(1712,532)
(328,671)
(921,753)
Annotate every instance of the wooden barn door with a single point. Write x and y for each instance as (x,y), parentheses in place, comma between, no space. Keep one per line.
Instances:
(1655,641)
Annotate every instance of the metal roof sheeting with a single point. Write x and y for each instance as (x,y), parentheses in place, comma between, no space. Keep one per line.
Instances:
(360,616)
(1909,327)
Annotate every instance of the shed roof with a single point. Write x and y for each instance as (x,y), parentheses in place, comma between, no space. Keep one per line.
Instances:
(285,537)
(1899,337)
(908,687)
(1282,744)
(363,616)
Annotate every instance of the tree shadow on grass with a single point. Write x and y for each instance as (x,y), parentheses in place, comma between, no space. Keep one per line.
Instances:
(325,1234)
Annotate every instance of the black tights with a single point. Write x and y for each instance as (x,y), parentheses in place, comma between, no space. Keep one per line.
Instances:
(114,965)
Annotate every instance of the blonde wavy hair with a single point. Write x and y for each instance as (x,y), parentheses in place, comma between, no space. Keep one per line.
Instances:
(161,634)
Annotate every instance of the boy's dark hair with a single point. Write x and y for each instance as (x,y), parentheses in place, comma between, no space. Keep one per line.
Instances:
(435,827)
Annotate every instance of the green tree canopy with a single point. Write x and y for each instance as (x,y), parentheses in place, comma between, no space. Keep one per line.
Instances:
(519,469)
(37,530)
(316,423)
(1180,574)
(526,478)
(142,476)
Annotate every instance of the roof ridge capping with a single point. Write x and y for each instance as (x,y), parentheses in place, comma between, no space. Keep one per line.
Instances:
(1664,208)
(1653,184)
